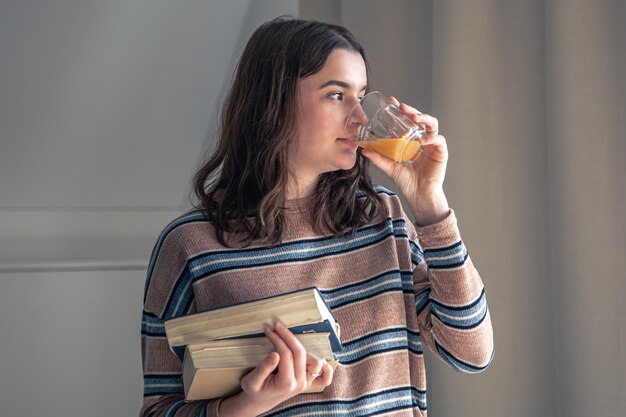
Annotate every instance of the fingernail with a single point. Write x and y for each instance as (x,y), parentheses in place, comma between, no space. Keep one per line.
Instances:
(279,325)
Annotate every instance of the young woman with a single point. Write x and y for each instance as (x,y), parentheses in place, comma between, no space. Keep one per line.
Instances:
(285,203)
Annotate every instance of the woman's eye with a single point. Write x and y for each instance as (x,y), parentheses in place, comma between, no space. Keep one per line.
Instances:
(336,96)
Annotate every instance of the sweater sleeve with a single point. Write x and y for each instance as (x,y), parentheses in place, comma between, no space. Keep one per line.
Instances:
(450,298)
(168,294)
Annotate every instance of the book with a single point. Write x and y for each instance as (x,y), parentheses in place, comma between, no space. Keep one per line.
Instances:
(219,346)
(303,311)
(214,369)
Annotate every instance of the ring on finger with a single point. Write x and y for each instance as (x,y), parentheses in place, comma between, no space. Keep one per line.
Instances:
(433,133)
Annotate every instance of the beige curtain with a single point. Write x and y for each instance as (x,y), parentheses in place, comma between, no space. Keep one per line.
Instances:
(532,100)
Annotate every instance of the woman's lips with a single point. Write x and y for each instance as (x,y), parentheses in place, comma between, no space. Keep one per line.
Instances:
(349,141)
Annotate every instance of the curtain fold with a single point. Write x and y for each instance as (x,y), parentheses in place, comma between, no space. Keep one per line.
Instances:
(531,97)
(489,95)
(585,47)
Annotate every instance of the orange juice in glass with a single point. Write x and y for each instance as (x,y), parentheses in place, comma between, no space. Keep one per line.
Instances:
(387,130)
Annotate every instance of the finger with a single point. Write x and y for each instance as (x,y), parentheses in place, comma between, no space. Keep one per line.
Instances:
(386,165)
(428,122)
(313,366)
(327,375)
(297,350)
(408,109)
(404,107)
(256,378)
(285,365)
(433,140)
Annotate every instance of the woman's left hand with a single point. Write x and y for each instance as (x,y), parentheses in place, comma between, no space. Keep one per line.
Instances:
(421,183)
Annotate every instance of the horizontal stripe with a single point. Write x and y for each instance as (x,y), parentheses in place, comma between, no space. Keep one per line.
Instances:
(422,300)
(291,245)
(417,256)
(443,249)
(162,386)
(191,217)
(162,378)
(298,251)
(378,189)
(448,257)
(461,317)
(152,325)
(457,262)
(470,322)
(449,308)
(459,365)
(379,342)
(387,281)
(396,399)
(168,380)
(201,411)
(171,411)
(153,335)
(449,265)
(159,392)
(399,229)
(178,302)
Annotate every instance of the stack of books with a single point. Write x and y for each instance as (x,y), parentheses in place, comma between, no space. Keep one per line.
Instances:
(218,347)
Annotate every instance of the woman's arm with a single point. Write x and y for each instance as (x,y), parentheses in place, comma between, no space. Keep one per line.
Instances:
(450,298)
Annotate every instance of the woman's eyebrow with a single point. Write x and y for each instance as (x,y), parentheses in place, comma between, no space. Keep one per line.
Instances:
(339,83)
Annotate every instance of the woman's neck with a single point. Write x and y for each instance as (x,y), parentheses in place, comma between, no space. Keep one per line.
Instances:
(300,187)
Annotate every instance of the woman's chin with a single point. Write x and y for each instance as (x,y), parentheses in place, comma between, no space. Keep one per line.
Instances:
(346,162)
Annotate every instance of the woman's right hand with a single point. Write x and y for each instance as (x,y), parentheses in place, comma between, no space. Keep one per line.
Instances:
(297,371)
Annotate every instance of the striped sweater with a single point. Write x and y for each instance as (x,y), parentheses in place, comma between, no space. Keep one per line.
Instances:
(394,289)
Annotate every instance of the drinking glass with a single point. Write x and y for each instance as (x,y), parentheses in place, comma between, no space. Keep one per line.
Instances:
(386,129)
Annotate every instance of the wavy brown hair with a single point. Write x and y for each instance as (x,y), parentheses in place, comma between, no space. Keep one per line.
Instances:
(242,187)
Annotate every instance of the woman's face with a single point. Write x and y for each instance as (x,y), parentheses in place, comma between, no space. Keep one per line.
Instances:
(325,138)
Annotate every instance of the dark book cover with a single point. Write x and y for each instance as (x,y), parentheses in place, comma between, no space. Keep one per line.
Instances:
(319,327)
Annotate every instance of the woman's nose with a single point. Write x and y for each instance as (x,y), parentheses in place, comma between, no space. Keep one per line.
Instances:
(357,116)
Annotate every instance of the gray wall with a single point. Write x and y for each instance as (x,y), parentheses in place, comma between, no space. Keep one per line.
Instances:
(105,109)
